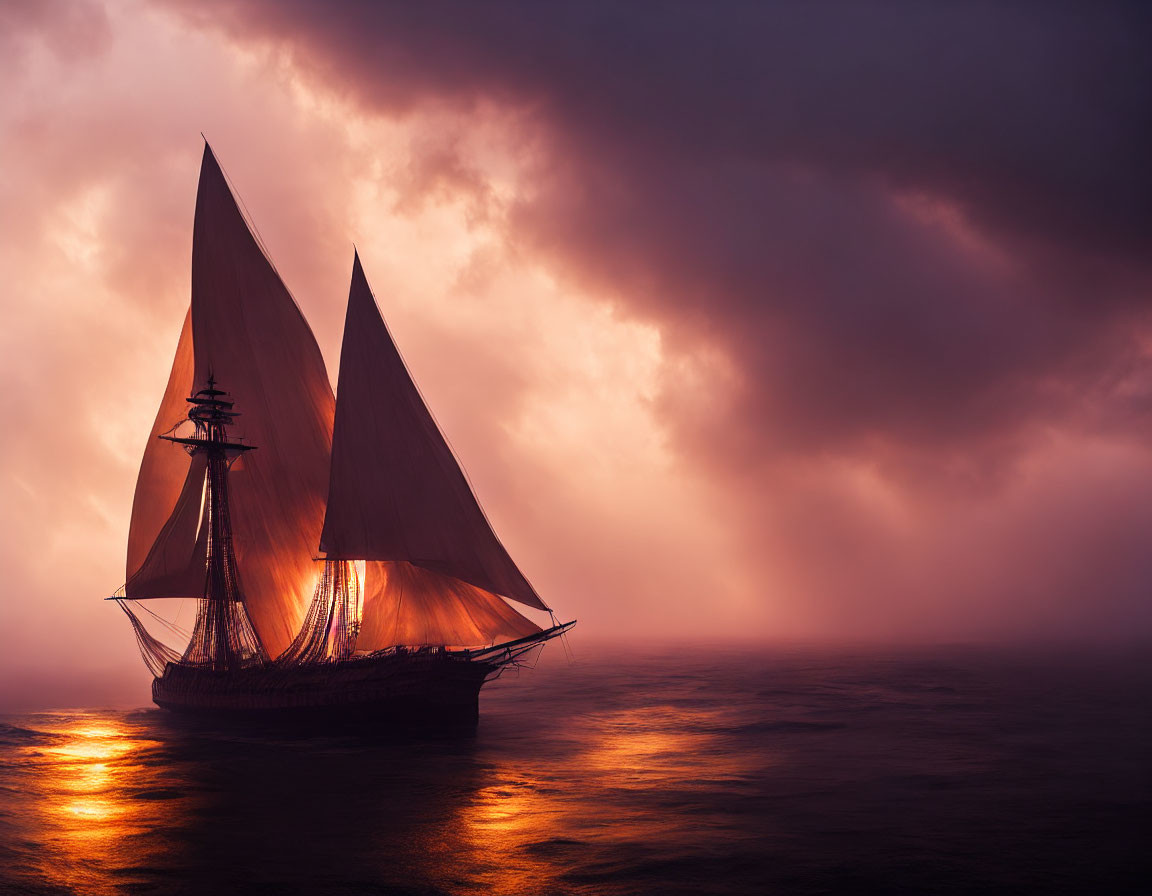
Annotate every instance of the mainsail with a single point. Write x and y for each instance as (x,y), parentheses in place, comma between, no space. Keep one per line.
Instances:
(436,571)
(247,332)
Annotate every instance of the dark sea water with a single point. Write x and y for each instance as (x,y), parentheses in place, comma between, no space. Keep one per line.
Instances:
(664,772)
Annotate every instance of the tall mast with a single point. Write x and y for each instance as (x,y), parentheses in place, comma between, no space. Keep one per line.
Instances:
(223,637)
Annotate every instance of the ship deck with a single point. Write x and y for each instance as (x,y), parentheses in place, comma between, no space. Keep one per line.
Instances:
(398,685)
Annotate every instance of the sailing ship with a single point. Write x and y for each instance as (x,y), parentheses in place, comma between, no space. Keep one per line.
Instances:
(340,562)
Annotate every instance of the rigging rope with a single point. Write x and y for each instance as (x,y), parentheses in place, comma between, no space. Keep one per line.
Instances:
(156,654)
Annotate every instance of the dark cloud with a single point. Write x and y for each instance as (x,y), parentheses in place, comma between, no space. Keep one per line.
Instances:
(1035,116)
(919,232)
(736,169)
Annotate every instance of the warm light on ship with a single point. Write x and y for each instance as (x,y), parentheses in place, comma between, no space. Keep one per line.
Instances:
(359,571)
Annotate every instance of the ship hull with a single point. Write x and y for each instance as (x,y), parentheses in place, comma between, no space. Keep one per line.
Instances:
(397,689)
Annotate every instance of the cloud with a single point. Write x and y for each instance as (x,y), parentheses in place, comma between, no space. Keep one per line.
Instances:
(529,377)
(904,221)
(908,242)
(747,319)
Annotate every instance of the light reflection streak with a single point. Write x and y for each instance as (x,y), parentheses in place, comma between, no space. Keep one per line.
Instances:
(526,828)
(87,779)
(500,823)
(642,749)
(544,798)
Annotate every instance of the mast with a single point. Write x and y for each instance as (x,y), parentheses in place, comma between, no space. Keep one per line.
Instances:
(223,637)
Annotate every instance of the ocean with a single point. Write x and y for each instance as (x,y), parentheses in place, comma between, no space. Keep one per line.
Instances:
(627,770)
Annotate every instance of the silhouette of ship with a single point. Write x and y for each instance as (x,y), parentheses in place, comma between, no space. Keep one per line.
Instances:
(341,563)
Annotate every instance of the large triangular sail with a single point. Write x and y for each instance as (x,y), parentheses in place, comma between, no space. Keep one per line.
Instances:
(396,491)
(247,332)
(436,572)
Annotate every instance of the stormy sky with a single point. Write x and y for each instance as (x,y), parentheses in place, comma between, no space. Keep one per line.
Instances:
(757,321)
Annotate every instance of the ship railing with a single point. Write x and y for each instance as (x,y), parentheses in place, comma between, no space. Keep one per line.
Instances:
(513,653)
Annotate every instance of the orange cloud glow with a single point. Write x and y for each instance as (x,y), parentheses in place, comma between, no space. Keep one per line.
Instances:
(545,391)
(749,389)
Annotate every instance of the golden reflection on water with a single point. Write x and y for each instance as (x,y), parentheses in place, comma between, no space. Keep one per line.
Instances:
(521,827)
(111,801)
(656,746)
(498,822)
(86,783)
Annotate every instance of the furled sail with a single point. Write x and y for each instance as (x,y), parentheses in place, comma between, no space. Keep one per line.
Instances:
(397,496)
(247,332)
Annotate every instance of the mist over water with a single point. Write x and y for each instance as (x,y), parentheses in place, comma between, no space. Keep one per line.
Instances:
(659,771)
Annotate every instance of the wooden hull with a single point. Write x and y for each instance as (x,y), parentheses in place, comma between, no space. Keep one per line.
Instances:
(396,689)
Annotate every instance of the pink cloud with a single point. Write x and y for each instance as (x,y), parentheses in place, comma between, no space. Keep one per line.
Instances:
(716,365)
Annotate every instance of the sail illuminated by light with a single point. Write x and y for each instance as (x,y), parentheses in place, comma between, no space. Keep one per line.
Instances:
(397,492)
(164,556)
(405,604)
(408,612)
(248,333)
